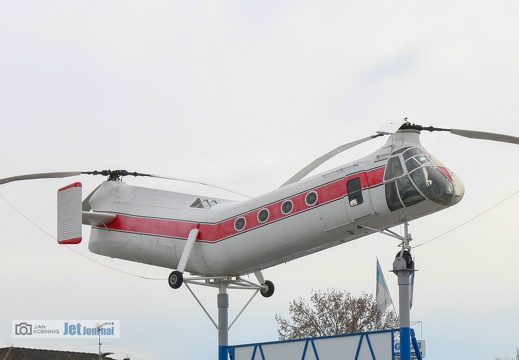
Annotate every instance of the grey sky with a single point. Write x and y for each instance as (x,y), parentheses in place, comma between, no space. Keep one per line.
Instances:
(245,94)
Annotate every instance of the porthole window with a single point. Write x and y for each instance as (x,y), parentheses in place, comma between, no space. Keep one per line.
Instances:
(287,207)
(263,215)
(239,223)
(311,198)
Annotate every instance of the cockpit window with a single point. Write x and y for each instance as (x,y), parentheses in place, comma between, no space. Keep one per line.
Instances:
(394,168)
(415,158)
(434,184)
(408,192)
(420,179)
(412,164)
(412,152)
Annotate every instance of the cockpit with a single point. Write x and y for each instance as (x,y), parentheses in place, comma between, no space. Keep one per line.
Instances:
(412,175)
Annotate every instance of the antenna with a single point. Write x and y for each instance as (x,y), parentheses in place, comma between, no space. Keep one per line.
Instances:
(101,355)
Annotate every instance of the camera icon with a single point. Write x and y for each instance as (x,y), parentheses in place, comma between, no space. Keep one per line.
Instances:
(23,328)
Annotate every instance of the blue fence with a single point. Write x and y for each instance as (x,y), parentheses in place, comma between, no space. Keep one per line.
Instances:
(377,345)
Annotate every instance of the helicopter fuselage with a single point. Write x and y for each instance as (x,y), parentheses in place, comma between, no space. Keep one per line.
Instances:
(398,183)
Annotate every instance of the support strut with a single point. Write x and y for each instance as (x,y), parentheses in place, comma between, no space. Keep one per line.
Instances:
(176,278)
(403,267)
(266,288)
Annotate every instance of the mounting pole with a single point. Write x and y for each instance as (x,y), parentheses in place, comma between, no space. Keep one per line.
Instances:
(223,322)
(223,283)
(403,267)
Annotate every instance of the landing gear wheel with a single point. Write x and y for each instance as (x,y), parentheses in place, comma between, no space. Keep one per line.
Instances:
(175,279)
(268,289)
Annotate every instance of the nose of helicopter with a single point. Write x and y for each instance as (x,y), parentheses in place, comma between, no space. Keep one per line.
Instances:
(459,189)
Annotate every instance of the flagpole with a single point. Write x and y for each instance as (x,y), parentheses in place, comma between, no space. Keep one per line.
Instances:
(394,308)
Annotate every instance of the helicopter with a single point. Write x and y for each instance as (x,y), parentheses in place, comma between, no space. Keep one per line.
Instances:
(214,238)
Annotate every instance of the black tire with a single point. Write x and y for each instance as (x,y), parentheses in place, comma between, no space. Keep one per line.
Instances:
(268,289)
(175,279)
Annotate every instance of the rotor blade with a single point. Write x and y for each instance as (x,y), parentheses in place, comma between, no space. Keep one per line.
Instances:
(113,174)
(51,175)
(317,162)
(196,182)
(486,136)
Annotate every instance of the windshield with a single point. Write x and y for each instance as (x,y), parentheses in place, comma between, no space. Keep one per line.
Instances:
(420,178)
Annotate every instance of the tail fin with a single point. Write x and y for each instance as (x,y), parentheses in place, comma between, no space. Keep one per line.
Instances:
(69,214)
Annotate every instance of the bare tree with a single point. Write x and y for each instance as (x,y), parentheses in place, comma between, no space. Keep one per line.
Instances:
(516,357)
(334,312)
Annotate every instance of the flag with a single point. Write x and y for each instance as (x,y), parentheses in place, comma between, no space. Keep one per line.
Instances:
(383,296)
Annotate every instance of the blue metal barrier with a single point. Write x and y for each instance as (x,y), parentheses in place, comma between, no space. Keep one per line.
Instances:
(377,345)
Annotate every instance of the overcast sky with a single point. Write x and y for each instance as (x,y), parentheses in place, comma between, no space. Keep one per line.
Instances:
(244,94)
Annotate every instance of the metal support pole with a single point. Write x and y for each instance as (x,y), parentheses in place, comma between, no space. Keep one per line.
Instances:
(403,267)
(223,323)
(223,283)
(400,268)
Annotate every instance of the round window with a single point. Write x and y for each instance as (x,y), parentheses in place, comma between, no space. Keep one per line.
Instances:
(311,198)
(287,207)
(263,215)
(239,223)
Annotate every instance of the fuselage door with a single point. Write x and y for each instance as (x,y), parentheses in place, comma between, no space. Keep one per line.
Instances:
(358,197)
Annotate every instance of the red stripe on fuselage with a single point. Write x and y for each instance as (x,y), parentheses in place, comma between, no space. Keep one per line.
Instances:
(214,232)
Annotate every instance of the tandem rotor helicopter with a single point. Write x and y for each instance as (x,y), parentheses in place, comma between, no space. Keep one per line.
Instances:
(213,238)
